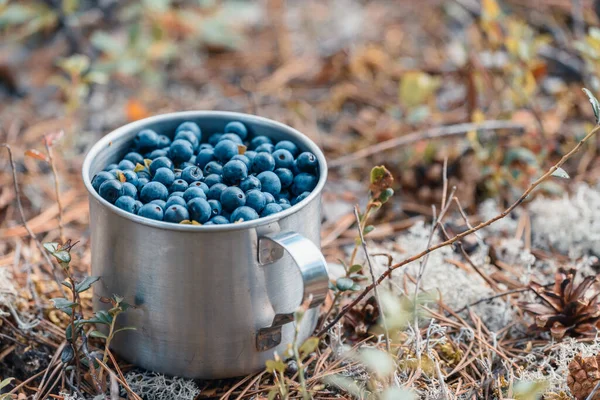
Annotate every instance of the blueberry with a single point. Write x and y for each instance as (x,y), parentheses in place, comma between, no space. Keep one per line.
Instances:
(238,128)
(153,191)
(191,174)
(100,178)
(177,175)
(287,145)
(176,214)
(270,198)
(256,200)
(188,164)
(226,149)
(215,206)
(135,158)
(234,172)
(219,220)
(250,154)
(180,151)
(214,193)
(175,200)
(283,159)
(141,182)
(201,185)
(138,205)
(204,157)
(110,167)
(263,162)
(110,190)
(270,182)
(231,136)
(286,177)
(257,141)
(159,163)
(151,211)
(209,223)
(126,203)
(304,182)
(153,155)
(179,185)
(129,189)
(176,194)
(251,182)
(265,148)
(213,167)
(243,214)
(232,198)
(189,136)
(270,209)
(116,173)
(307,162)
(130,176)
(146,139)
(300,198)
(192,193)
(144,174)
(200,210)
(214,139)
(163,141)
(164,176)
(213,179)
(190,126)
(126,164)
(160,203)
(284,195)
(226,214)
(281,201)
(285,206)
(243,159)
(205,146)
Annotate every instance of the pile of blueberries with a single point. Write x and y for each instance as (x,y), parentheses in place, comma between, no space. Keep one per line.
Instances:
(225,180)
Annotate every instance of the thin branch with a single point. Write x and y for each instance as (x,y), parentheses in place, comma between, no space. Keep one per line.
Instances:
(61,227)
(416,136)
(25,224)
(461,235)
(367,255)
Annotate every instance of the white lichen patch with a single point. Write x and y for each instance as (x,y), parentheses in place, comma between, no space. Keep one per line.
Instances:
(570,225)
(150,385)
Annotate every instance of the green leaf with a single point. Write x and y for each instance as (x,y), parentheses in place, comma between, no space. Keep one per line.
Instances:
(386,195)
(273,366)
(101,317)
(70,6)
(76,64)
(15,14)
(125,328)
(520,154)
(417,87)
(368,229)
(356,288)
(344,284)
(67,354)
(355,268)
(86,283)
(377,361)
(51,247)
(272,394)
(61,303)
(5,382)
(561,173)
(346,384)
(98,334)
(595,104)
(66,283)
(308,346)
(69,333)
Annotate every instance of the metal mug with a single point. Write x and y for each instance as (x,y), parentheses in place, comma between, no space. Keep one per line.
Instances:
(210,301)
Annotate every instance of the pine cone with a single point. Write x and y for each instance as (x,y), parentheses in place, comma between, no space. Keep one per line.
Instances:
(584,374)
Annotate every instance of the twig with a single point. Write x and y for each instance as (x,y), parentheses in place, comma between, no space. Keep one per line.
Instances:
(22,214)
(490,298)
(591,395)
(61,227)
(432,133)
(461,235)
(368,256)
(124,384)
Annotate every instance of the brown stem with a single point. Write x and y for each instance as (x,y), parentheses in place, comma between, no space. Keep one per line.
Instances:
(61,227)
(461,235)
(24,220)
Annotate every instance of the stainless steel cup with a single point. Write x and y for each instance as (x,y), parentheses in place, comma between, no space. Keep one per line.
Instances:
(211,301)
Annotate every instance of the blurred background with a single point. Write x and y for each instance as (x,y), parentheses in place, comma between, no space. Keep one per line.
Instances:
(492,86)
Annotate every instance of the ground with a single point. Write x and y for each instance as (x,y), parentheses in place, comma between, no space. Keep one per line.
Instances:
(465,103)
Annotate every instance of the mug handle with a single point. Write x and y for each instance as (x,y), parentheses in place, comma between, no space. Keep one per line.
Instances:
(313,268)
